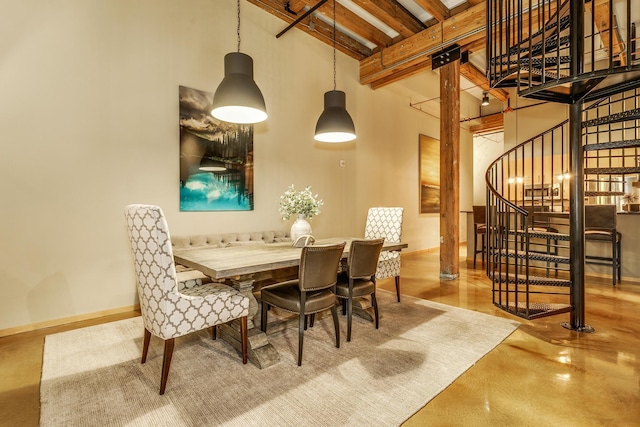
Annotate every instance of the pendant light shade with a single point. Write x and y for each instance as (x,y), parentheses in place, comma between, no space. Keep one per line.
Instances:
(335,124)
(238,99)
(485,99)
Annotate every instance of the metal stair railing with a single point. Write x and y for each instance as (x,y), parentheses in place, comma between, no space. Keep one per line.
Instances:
(527,233)
(561,50)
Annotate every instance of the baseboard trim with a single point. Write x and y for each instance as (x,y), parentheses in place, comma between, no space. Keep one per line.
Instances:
(66,320)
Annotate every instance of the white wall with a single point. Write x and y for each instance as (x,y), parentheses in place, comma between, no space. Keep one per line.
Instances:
(89,124)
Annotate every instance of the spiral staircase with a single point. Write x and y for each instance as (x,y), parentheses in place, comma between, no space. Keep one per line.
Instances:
(582,54)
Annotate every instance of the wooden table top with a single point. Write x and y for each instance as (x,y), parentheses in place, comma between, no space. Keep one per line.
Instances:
(220,263)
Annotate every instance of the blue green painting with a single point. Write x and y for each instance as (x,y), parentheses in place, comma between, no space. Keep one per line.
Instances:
(216,158)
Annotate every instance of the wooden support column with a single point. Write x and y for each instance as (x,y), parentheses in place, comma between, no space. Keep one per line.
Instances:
(450,170)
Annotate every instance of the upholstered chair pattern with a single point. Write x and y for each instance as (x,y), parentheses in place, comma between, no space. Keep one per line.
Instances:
(386,222)
(360,278)
(312,292)
(167,311)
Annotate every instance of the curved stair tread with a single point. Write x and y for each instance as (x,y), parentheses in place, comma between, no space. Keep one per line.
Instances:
(533,256)
(623,116)
(533,280)
(603,193)
(611,171)
(536,309)
(631,143)
(538,233)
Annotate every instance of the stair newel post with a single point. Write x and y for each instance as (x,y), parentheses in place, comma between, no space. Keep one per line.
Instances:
(576,228)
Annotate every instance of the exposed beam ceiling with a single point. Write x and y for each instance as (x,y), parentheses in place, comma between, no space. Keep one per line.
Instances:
(392,39)
(395,39)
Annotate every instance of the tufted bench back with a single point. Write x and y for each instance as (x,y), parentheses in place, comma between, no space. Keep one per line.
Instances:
(224,240)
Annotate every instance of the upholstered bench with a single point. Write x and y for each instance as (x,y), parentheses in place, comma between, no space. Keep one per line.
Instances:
(188,278)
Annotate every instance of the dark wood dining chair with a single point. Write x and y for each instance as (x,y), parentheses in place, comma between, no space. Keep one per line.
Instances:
(600,225)
(312,292)
(359,280)
(479,229)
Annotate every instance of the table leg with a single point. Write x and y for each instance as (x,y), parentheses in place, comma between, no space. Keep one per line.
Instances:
(362,307)
(261,353)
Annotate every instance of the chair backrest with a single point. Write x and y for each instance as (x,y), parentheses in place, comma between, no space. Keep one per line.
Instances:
(153,262)
(537,220)
(600,216)
(319,266)
(479,214)
(383,222)
(363,258)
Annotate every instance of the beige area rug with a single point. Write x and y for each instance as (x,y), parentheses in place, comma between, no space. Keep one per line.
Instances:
(93,376)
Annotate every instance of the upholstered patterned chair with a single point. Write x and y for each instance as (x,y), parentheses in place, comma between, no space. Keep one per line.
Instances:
(312,292)
(360,278)
(167,311)
(383,222)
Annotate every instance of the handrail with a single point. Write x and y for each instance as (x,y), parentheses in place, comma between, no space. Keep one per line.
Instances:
(488,183)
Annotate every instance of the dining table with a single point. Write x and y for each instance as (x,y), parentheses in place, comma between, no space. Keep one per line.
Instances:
(239,265)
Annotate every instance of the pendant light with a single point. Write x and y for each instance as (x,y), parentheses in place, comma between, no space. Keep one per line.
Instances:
(335,124)
(485,99)
(238,99)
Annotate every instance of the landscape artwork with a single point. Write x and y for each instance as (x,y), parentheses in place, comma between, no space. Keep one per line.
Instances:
(429,175)
(216,158)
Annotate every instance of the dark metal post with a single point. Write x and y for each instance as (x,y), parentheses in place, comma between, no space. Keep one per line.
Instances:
(576,228)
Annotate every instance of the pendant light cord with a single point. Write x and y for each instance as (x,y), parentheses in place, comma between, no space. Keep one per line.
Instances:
(239,26)
(334,44)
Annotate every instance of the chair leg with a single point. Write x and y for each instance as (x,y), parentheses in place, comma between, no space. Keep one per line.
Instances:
(166,363)
(263,316)
(374,303)
(344,306)
(484,248)
(312,319)
(619,255)
(336,325)
(214,332)
(475,248)
(349,317)
(614,267)
(398,287)
(243,338)
(145,345)
(302,321)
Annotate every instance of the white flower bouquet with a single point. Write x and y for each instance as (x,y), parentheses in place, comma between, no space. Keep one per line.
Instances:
(302,202)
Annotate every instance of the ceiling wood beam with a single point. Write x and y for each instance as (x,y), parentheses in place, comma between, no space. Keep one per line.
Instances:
(316,28)
(392,14)
(478,78)
(488,124)
(416,68)
(436,8)
(464,28)
(296,6)
(345,44)
(356,24)
(419,65)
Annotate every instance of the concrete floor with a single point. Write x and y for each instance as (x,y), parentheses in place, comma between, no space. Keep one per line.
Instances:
(541,375)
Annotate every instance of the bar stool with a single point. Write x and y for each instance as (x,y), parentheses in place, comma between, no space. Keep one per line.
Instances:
(479,228)
(600,226)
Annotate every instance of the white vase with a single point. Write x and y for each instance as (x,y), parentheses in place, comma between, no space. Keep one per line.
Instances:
(300,227)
